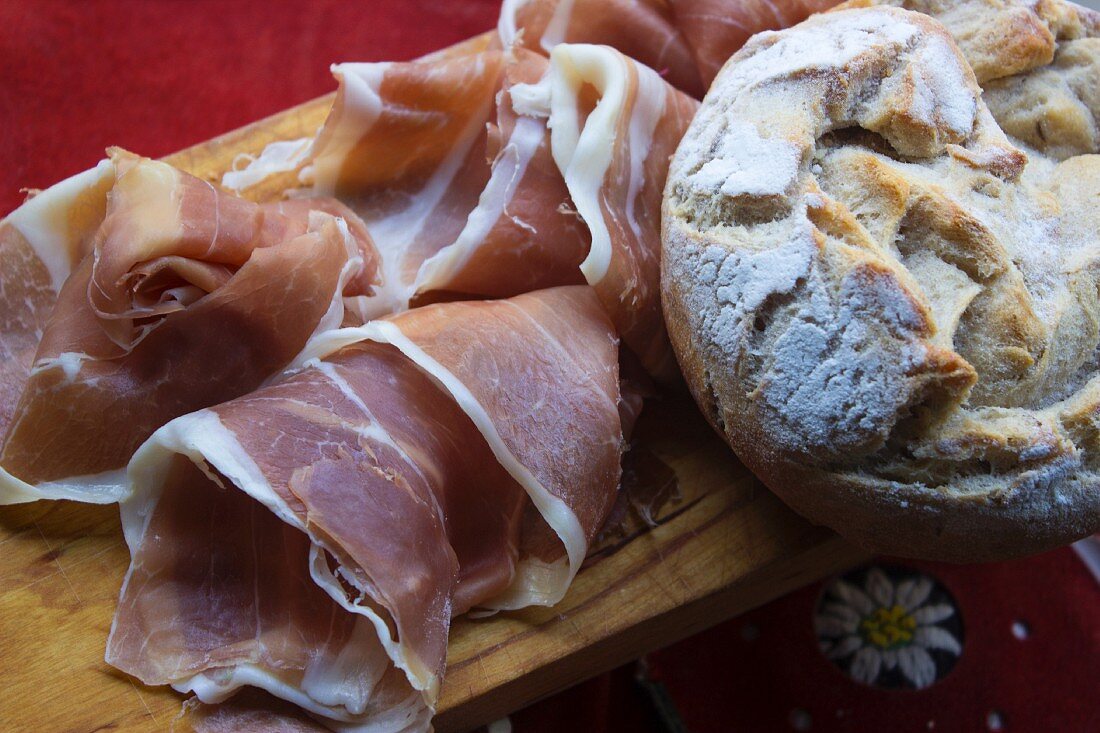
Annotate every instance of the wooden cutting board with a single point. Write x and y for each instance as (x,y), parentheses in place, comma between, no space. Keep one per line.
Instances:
(718,544)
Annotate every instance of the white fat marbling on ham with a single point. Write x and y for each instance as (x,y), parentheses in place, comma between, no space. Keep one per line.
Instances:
(278,157)
(459,193)
(584,143)
(40,243)
(55,222)
(507,173)
(397,228)
(614,124)
(427,415)
(361,106)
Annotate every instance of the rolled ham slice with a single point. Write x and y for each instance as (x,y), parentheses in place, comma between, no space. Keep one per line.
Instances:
(615,124)
(155,294)
(642,29)
(314,538)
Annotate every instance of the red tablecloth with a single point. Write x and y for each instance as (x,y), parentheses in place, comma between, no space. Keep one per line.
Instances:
(157,75)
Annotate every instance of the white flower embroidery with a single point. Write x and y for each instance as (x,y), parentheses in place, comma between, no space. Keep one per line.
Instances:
(884,626)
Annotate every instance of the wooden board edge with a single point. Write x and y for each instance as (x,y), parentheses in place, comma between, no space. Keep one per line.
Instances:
(818,560)
(209,158)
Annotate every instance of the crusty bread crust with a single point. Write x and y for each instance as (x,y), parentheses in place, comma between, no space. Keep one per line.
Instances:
(887,306)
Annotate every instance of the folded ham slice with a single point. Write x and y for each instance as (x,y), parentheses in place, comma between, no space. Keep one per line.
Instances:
(717,29)
(460,194)
(163,295)
(569,187)
(615,124)
(642,29)
(315,537)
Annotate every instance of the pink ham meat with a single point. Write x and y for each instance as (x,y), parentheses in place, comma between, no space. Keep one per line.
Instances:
(717,29)
(615,124)
(315,537)
(185,297)
(565,188)
(40,244)
(642,29)
(523,235)
(460,194)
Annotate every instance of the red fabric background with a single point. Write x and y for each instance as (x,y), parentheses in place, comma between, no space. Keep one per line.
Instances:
(158,75)
(1048,681)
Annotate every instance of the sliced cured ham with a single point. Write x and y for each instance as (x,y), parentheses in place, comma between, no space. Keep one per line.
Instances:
(573,189)
(566,185)
(315,537)
(717,29)
(170,296)
(642,29)
(615,124)
(460,194)
(523,234)
(40,244)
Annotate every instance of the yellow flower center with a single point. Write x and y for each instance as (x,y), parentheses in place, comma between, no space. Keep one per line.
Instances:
(888,628)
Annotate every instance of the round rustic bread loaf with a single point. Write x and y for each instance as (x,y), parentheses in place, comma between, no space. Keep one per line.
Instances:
(887,305)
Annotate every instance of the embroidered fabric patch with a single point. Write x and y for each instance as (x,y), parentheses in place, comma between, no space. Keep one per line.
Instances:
(889,627)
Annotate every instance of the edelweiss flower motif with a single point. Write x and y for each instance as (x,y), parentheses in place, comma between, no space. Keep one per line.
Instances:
(887,626)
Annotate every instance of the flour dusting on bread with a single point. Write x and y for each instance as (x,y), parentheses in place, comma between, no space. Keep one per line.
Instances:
(747,164)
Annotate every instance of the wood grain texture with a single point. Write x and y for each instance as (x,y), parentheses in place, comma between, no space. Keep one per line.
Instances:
(721,545)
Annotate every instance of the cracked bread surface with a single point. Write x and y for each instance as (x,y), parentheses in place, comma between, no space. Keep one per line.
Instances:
(881,282)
